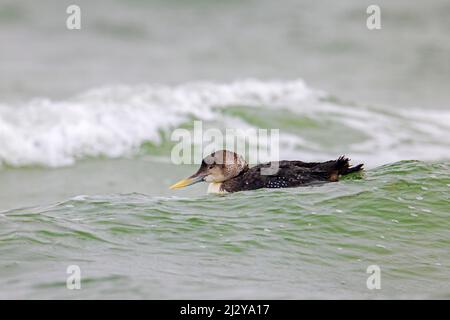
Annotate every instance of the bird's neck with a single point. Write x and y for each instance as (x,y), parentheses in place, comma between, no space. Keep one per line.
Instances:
(215,187)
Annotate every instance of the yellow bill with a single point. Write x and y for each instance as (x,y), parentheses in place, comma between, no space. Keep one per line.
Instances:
(186,182)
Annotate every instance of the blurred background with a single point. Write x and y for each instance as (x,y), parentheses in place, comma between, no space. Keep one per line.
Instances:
(326,43)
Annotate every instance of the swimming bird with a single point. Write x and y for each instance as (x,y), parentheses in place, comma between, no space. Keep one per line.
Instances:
(226,171)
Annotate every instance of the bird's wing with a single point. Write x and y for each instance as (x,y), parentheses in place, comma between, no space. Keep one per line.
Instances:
(288,175)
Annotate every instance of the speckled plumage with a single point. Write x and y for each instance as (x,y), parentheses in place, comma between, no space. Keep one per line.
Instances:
(290,174)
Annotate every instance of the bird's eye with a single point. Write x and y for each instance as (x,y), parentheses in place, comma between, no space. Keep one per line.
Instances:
(210,166)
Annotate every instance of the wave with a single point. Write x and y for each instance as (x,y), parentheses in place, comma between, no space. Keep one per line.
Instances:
(116,121)
(396,217)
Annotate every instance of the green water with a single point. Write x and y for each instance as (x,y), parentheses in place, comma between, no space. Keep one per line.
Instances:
(313,242)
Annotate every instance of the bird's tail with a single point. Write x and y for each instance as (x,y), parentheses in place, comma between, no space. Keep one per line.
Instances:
(342,166)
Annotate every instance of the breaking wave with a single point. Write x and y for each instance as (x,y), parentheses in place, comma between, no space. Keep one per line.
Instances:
(116,121)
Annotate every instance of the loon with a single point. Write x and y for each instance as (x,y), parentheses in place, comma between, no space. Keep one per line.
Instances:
(227,171)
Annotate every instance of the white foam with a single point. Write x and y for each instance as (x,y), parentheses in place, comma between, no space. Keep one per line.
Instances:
(115,121)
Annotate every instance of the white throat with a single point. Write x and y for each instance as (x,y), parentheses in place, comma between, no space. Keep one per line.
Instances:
(215,187)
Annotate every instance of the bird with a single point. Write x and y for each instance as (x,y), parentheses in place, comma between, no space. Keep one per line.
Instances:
(228,172)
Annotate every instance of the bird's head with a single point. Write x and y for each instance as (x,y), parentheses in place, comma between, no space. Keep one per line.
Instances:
(219,166)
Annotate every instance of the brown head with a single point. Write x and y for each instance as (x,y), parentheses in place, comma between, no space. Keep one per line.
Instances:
(219,166)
